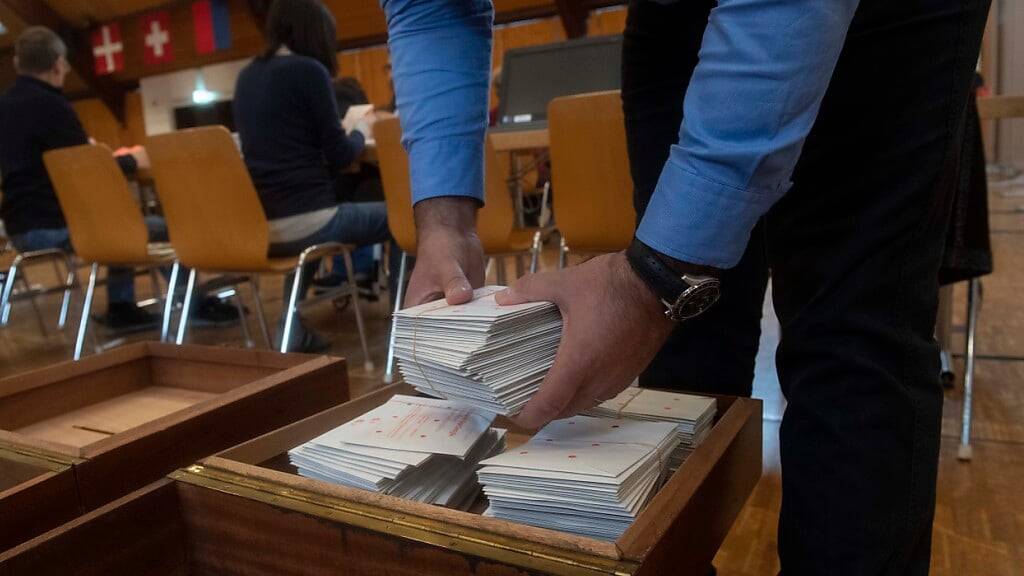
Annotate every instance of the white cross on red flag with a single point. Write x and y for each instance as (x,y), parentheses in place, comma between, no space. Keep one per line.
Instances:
(156,34)
(107,49)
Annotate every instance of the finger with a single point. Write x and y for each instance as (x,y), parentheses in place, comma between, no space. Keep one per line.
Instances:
(557,393)
(542,287)
(457,289)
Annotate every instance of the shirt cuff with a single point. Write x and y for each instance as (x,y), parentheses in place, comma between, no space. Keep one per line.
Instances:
(699,221)
(428,160)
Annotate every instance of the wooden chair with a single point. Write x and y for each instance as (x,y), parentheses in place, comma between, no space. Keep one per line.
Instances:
(593,190)
(217,224)
(104,220)
(495,221)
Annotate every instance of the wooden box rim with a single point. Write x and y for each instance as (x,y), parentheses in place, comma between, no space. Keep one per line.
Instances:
(291,365)
(467,532)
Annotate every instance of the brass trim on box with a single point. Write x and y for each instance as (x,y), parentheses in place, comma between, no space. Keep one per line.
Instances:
(25,455)
(513,551)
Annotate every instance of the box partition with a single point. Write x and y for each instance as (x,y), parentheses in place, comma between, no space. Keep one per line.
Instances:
(127,417)
(37,492)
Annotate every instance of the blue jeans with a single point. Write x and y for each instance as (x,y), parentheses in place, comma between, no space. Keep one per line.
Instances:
(359,223)
(120,281)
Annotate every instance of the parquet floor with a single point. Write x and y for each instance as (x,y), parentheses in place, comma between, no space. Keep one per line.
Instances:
(979,525)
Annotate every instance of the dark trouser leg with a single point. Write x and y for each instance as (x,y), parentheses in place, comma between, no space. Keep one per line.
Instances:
(855,248)
(715,352)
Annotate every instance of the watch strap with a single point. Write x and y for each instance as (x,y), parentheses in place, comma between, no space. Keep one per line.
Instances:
(666,284)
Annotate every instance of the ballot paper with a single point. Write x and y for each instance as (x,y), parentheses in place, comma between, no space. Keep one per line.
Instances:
(423,449)
(692,414)
(488,356)
(584,475)
(353,115)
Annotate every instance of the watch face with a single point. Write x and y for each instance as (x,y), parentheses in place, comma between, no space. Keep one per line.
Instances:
(695,300)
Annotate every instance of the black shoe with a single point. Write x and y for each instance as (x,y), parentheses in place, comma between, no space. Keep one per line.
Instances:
(303,339)
(211,311)
(127,317)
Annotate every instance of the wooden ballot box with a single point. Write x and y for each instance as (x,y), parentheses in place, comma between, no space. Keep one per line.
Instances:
(78,435)
(245,512)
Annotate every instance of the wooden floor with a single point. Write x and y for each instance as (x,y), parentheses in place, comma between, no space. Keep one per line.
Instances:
(979,525)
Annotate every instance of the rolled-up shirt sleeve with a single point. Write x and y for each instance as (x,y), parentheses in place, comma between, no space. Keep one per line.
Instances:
(441,59)
(763,70)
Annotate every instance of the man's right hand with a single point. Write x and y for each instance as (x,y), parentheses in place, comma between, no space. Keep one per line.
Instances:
(449,258)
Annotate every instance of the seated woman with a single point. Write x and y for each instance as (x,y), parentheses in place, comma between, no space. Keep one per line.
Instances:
(294,146)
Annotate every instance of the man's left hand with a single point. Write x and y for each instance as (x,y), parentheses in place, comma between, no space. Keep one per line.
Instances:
(612,326)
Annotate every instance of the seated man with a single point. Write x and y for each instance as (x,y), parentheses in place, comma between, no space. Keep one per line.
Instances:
(37,118)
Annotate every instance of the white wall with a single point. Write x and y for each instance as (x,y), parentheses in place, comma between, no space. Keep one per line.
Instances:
(162,94)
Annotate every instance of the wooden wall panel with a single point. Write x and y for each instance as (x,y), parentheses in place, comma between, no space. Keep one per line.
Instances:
(607,22)
(371,67)
(358,18)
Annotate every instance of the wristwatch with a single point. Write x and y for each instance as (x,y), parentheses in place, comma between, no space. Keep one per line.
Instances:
(685,296)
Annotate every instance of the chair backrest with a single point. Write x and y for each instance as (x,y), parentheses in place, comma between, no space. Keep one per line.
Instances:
(214,215)
(104,218)
(494,221)
(592,187)
(394,174)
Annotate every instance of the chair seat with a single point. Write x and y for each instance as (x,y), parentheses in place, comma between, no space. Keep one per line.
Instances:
(519,240)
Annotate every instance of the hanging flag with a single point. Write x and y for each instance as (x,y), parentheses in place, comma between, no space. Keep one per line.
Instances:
(156,34)
(212,20)
(107,49)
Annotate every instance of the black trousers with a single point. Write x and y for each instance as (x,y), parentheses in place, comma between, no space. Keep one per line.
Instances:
(854,250)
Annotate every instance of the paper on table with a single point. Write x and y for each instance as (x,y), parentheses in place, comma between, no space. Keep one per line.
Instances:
(354,113)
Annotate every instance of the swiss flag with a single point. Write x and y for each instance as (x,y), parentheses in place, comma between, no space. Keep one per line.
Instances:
(156,35)
(107,49)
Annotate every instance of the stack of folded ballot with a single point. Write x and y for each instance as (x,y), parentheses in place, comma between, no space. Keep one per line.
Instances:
(693,415)
(485,355)
(589,476)
(422,449)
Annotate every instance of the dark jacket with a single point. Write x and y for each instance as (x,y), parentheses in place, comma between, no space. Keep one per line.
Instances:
(34,118)
(287,119)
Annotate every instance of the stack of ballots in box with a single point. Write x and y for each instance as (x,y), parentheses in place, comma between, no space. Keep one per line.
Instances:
(422,449)
(589,476)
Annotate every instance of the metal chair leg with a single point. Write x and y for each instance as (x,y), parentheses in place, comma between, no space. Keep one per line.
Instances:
(254,282)
(563,253)
(5,298)
(35,305)
(535,250)
(186,307)
(69,285)
(293,299)
(350,269)
(242,319)
(499,270)
(399,289)
(83,324)
(965,452)
(172,285)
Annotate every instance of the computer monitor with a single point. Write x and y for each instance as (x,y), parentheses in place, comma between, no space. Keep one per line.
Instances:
(213,114)
(531,77)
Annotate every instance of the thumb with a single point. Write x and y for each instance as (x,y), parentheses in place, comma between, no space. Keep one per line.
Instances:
(457,289)
(542,287)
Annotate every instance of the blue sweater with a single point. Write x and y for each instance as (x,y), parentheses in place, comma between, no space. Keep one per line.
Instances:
(287,119)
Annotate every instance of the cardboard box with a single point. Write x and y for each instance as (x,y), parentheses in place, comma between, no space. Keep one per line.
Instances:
(244,512)
(91,431)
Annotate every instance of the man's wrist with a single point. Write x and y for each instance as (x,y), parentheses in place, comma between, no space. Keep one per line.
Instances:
(445,213)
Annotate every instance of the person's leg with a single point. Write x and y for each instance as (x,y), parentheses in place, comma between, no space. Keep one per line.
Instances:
(855,248)
(714,352)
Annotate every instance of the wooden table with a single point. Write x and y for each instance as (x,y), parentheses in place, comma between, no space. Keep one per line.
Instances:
(519,140)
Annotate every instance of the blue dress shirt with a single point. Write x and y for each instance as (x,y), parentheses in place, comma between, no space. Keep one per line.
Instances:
(763,70)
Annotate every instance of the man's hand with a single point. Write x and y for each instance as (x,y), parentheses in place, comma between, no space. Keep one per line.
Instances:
(449,258)
(612,326)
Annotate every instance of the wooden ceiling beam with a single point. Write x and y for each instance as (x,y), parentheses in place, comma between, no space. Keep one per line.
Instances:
(38,13)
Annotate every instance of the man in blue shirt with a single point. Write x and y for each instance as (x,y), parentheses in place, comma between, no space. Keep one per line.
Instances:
(814,138)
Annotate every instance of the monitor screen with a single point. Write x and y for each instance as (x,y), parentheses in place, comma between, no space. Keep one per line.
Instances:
(533,76)
(213,114)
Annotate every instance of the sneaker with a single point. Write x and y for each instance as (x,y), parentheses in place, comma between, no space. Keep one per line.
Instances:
(211,311)
(126,316)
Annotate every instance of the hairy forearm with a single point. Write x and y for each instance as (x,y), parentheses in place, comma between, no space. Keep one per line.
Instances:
(448,213)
